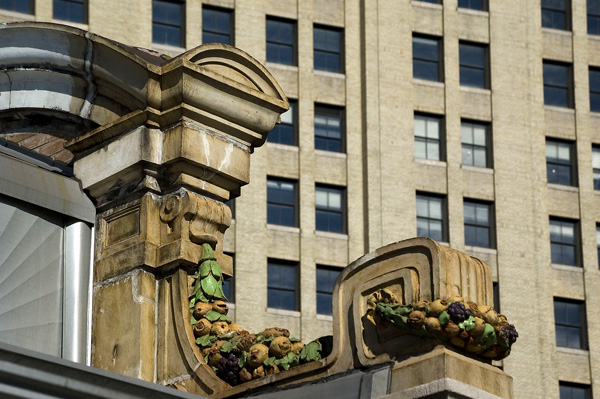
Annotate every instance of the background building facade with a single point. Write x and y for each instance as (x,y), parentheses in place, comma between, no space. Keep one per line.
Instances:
(471,122)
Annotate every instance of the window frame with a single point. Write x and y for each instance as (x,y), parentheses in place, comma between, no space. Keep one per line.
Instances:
(344,207)
(572,164)
(593,18)
(491,222)
(488,149)
(553,11)
(465,67)
(582,326)
(331,111)
(484,5)
(444,213)
(294,206)
(440,57)
(340,53)
(293,45)
(586,388)
(31,7)
(230,281)
(84,17)
(181,25)
(441,141)
(231,14)
(338,270)
(596,170)
(576,245)
(569,87)
(594,92)
(295,290)
(276,129)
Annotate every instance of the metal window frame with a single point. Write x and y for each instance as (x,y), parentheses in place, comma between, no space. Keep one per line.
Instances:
(491,219)
(336,111)
(295,204)
(566,12)
(231,279)
(569,86)
(340,53)
(31,7)
(317,291)
(585,387)
(85,11)
(572,164)
(595,148)
(344,211)
(54,192)
(486,62)
(296,290)
(444,219)
(489,155)
(440,54)
(576,238)
(584,342)
(592,91)
(441,134)
(181,26)
(293,45)
(230,12)
(484,6)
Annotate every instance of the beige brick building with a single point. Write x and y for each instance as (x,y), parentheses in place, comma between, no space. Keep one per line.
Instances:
(524,104)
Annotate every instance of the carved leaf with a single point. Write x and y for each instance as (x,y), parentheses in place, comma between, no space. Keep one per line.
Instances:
(209,285)
(311,352)
(215,268)
(205,268)
(212,316)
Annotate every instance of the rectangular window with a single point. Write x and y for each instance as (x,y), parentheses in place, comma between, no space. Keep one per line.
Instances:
(285,132)
(282,285)
(281,202)
(328,43)
(559,163)
(598,243)
(596,166)
(428,137)
(496,289)
(479,223)
(70,10)
(474,69)
(281,41)
(431,217)
(427,56)
(229,283)
(326,277)
(556,14)
(480,5)
(329,128)
(476,144)
(330,209)
(594,75)
(231,205)
(593,17)
(564,242)
(23,6)
(558,84)
(570,325)
(217,25)
(167,23)
(574,391)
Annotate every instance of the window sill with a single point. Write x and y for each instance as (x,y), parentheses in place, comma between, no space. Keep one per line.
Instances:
(283,312)
(324,317)
(440,164)
(562,187)
(595,114)
(335,75)
(169,50)
(284,67)
(572,351)
(478,169)
(287,229)
(20,15)
(283,147)
(563,110)
(567,268)
(557,31)
(337,236)
(483,250)
(593,37)
(430,83)
(427,5)
(468,11)
(341,155)
(475,90)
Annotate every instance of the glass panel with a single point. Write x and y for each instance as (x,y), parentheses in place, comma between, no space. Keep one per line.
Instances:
(422,207)
(471,55)
(420,149)
(320,198)
(483,215)
(435,208)
(425,49)
(425,70)
(469,213)
(479,157)
(288,116)
(479,135)
(573,314)
(560,312)
(472,77)
(467,155)
(335,200)
(433,151)
(556,75)
(466,132)
(422,227)
(324,303)
(435,230)
(564,151)
(561,336)
(433,128)
(420,126)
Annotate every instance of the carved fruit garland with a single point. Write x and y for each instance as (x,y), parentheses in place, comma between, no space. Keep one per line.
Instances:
(476,329)
(234,354)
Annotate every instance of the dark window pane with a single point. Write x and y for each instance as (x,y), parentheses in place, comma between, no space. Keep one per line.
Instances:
(216,25)
(280,42)
(473,65)
(328,125)
(281,202)
(69,10)
(327,45)
(471,4)
(23,6)
(282,280)
(326,277)
(330,209)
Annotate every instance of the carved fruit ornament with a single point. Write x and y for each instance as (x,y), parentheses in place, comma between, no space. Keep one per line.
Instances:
(475,329)
(235,355)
